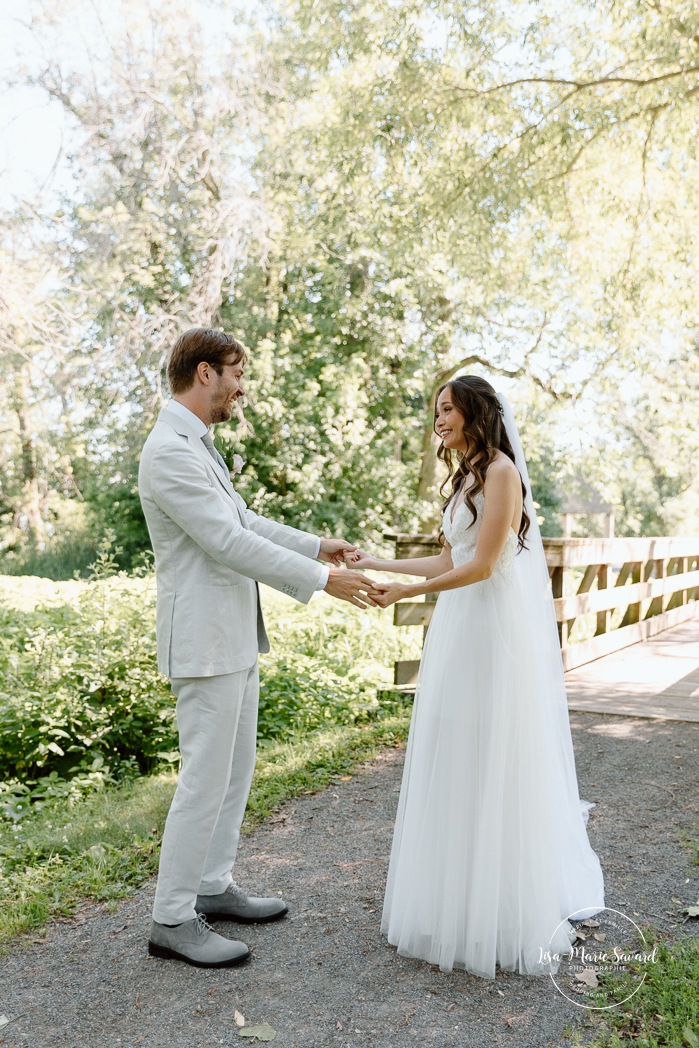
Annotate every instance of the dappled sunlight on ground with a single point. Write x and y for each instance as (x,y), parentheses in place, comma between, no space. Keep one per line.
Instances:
(617,728)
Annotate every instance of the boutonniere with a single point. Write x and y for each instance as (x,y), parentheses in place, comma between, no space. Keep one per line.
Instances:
(238,463)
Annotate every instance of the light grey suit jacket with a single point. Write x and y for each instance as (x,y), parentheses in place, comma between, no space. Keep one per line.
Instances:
(210,553)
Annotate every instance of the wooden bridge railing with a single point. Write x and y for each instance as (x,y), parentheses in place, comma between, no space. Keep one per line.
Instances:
(618,592)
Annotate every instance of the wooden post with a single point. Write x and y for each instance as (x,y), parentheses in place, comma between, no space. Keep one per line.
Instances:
(405,671)
(676,566)
(603,580)
(647,573)
(557,591)
(683,569)
(586,584)
(659,572)
(633,612)
(693,565)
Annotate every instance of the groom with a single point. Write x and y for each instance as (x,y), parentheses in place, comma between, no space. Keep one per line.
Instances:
(210,554)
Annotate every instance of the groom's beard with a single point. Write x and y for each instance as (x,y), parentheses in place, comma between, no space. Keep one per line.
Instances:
(224,411)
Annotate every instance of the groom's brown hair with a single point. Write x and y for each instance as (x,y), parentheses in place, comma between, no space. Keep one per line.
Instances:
(196,345)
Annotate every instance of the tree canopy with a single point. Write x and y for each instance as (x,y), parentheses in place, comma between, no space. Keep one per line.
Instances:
(373,196)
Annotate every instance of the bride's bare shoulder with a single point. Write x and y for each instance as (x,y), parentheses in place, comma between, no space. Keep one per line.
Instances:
(502,468)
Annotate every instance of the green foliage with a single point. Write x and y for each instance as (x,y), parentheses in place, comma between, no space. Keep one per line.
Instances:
(75,529)
(69,545)
(79,681)
(116,509)
(327,667)
(372,196)
(664,1013)
(81,698)
(546,464)
(337,391)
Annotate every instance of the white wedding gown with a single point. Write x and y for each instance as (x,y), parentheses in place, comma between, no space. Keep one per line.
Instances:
(490,852)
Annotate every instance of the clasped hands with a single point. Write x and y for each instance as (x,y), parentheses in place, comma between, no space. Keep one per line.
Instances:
(347,583)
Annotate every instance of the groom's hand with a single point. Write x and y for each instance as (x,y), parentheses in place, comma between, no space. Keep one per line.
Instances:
(333,551)
(351,586)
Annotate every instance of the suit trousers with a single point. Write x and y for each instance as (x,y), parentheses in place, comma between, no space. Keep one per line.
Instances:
(217,722)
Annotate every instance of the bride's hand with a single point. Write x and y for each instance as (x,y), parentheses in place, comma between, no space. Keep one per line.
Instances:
(387,593)
(358,560)
(335,551)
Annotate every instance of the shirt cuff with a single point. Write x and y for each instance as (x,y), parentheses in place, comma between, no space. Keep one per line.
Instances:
(324,576)
(317,538)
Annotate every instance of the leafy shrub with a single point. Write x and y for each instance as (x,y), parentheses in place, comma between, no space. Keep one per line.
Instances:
(79,680)
(327,664)
(81,698)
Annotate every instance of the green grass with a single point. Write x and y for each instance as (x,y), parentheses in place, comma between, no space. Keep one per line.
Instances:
(664,1013)
(105,845)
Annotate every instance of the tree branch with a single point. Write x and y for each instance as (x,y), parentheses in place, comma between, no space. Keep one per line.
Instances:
(579,85)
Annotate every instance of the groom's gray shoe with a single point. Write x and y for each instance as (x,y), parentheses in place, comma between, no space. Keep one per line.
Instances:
(235,905)
(195,942)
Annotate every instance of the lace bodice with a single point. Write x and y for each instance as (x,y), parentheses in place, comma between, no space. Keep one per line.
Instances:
(463,538)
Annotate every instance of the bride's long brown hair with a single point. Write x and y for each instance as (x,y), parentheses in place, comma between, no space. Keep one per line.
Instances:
(485,433)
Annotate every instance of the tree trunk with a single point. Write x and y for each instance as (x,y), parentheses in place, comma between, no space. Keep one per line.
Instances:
(29,507)
(428,463)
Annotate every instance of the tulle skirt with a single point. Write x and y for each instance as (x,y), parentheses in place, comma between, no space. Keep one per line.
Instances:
(489,858)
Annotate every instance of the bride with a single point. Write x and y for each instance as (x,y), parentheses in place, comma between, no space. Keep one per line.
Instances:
(490,853)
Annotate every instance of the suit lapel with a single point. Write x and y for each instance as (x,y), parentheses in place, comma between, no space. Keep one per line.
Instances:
(180,426)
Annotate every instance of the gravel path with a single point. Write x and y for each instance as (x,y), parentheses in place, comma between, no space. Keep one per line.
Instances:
(324,977)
